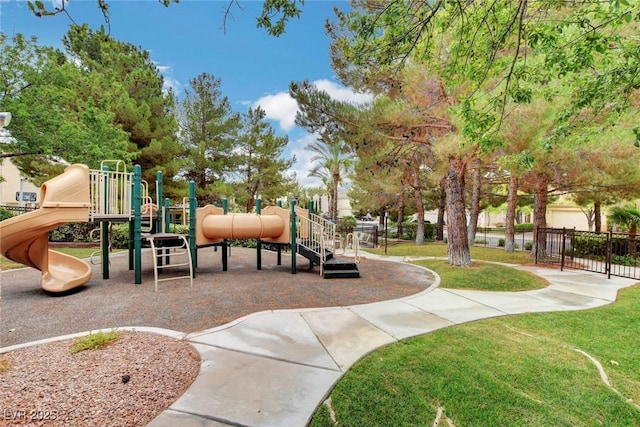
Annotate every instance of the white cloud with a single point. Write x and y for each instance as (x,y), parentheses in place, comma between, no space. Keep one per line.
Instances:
(303,164)
(168,81)
(282,108)
(342,93)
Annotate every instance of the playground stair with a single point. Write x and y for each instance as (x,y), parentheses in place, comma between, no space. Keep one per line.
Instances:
(333,268)
(312,255)
(336,268)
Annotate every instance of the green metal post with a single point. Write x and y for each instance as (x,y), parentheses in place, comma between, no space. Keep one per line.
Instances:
(167,228)
(293,237)
(104,228)
(259,244)
(192,226)
(279,261)
(137,223)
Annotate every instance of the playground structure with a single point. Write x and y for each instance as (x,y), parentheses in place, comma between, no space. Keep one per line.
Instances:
(112,195)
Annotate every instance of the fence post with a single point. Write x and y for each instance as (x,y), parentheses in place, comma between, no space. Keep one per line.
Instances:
(564,235)
(609,250)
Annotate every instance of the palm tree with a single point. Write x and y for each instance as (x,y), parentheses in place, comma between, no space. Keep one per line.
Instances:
(627,217)
(333,161)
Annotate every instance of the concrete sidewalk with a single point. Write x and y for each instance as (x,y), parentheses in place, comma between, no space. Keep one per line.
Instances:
(274,368)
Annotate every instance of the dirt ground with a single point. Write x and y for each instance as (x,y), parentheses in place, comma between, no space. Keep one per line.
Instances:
(28,313)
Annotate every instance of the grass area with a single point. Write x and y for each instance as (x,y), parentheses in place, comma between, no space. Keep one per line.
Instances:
(483,276)
(480,276)
(440,250)
(519,370)
(95,341)
(7,264)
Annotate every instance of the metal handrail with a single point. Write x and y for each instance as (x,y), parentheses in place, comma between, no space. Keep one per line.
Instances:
(353,240)
(315,233)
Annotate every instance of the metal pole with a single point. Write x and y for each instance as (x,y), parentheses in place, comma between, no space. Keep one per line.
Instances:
(104,229)
(21,197)
(259,244)
(137,226)
(192,226)
(225,208)
(293,237)
(564,237)
(167,215)
(386,230)
(159,222)
(609,250)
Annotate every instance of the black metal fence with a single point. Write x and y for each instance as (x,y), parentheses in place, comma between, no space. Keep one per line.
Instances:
(495,237)
(18,210)
(613,254)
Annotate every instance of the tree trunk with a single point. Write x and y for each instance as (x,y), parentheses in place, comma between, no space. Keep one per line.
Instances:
(539,211)
(589,214)
(474,212)
(597,216)
(419,206)
(512,204)
(441,209)
(458,245)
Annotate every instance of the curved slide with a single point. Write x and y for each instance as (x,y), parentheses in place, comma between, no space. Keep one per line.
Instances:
(24,238)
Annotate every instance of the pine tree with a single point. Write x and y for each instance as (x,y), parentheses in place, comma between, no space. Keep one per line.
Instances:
(260,167)
(208,132)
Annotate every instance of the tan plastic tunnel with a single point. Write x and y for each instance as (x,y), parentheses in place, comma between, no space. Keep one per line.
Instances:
(212,226)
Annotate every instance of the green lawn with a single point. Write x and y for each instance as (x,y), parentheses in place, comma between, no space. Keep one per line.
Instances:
(440,250)
(510,371)
(484,276)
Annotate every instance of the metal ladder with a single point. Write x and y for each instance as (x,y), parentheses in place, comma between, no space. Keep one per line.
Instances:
(165,251)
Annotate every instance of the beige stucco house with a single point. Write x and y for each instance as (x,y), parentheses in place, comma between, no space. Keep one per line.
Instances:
(13,183)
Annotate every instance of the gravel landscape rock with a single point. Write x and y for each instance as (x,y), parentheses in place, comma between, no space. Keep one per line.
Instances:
(127,383)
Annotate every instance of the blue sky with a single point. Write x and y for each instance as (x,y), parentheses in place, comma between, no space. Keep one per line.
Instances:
(187,39)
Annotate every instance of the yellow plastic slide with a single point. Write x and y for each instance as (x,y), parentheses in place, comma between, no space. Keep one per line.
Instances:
(24,238)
